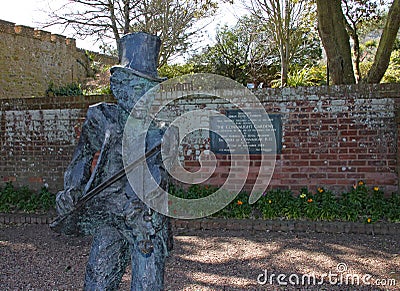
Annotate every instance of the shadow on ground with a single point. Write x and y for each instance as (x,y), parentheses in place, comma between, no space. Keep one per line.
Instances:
(35,258)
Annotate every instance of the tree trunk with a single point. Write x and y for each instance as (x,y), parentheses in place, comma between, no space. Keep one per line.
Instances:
(352,31)
(127,19)
(357,58)
(286,42)
(284,68)
(114,26)
(382,56)
(335,39)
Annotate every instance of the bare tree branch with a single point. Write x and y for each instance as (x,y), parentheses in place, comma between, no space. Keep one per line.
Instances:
(173,20)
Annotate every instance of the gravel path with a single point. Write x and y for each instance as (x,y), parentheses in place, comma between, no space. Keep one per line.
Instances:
(35,258)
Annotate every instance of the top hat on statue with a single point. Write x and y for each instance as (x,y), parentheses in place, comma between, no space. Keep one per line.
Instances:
(138,53)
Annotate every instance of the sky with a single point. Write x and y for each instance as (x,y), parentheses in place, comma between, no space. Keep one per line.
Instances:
(30,13)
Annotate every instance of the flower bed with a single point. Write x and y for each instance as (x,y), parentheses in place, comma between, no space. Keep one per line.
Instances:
(360,204)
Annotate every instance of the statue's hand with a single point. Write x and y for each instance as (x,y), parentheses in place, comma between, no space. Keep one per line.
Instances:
(64,202)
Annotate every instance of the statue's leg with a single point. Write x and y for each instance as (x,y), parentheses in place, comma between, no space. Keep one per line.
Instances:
(148,270)
(108,259)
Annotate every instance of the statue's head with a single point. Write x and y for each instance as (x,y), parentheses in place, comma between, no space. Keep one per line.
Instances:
(137,72)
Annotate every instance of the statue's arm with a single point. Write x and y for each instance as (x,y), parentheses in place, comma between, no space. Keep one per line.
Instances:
(78,172)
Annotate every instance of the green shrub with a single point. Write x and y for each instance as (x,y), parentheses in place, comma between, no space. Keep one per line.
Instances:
(392,74)
(360,204)
(306,76)
(72,89)
(238,208)
(103,90)
(23,199)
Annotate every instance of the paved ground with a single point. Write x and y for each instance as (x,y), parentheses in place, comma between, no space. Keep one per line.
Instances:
(35,258)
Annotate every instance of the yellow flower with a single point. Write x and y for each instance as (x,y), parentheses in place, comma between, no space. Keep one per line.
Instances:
(376,188)
(239,202)
(309,200)
(320,190)
(303,196)
(269,201)
(369,220)
(360,183)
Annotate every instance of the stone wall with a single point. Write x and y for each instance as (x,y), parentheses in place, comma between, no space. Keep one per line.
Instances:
(332,137)
(31,59)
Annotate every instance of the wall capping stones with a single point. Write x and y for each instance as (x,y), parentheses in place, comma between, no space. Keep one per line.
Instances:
(30,32)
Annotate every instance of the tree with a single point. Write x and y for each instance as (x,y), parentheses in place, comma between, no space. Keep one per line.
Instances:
(335,39)
(357,13)
(388,38)
(245,53)
(229,56)
(238,53)
(176,70)
(284,21)
(392,74)
(173,20)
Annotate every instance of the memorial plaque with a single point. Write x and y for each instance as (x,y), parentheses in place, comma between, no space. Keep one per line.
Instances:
(269,125)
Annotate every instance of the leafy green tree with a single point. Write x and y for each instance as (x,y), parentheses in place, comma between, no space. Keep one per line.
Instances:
(237,53)
(285,23)
(392,74)
(306,76)
(245,54)
(176,70)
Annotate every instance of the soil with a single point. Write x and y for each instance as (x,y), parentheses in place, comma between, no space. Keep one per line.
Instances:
(35,258)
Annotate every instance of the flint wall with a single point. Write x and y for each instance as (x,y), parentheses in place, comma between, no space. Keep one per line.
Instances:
(332,137)
(39,136)
(31,59)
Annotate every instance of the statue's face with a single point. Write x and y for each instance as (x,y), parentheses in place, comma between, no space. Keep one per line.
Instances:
(128,88)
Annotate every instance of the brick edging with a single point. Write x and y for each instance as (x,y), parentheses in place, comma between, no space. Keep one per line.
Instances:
(22,218)
(288,226)
(244,224)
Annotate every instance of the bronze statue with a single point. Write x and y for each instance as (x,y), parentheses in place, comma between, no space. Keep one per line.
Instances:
(102,203)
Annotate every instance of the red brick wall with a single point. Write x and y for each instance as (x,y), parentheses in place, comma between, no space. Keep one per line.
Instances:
(332,137)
